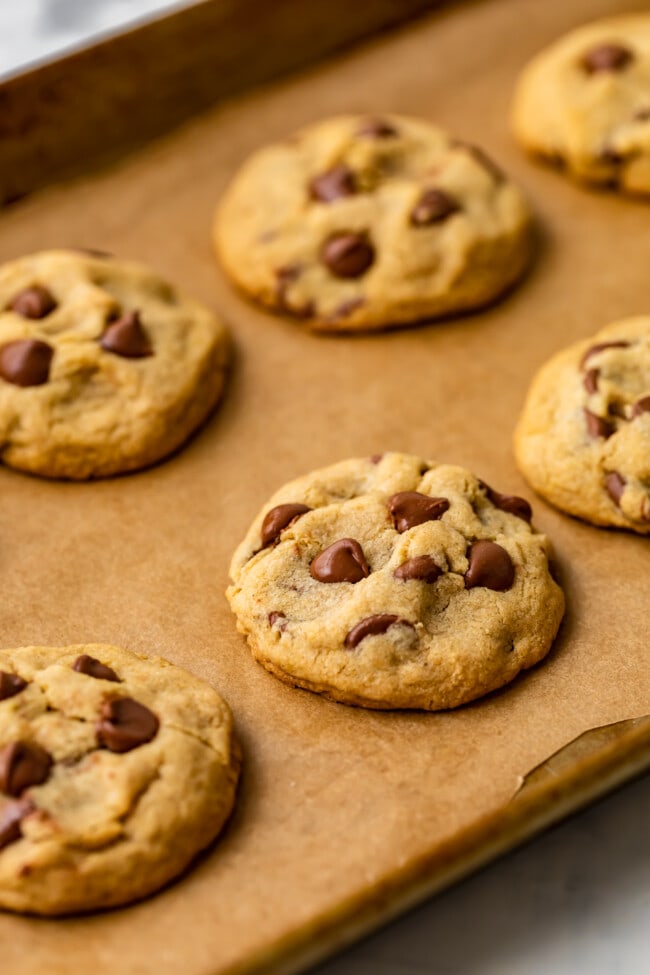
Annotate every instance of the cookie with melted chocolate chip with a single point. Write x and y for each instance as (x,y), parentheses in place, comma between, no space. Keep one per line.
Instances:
(363,223)
(104,367)
(583,439)
(584,103)
(395,583)
(115,771)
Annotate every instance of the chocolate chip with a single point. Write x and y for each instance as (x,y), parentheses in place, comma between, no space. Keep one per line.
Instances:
(26,362)
(597,426)
(600,347)
(410,508)
(376,458)
(482,158)
(22,765)
(606,57)
(421,567)
(489,566)
(511,503)
(372,626)
(434,206)
(348,255)
(125,724)
(345,309)
(35,302)
(10,685)
(279,619)
(615,485)
(10,819)
(92,667)
(285,276)
(279,518)
(343,561)
(333,184)
(127,337)
(610,157)
(590,381)
(376,128)
(641,406)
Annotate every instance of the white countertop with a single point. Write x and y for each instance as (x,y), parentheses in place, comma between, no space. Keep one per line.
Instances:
(575,901)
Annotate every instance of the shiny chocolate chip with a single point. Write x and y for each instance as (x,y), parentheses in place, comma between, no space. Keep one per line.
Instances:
(377,128)
(615,485)
(597,426)
(600,347)
(510,503)
(279,518)
(434,206)
(343,561)
(22,765)
(373,626)
(348,255)
(641,406)
(590,380)
(125,724)
(410,508)
(26,362)
(606,57)
(35,302)
(126,337)
(91,667)
(420,567)
(333,184)
(11,818)
(10,685)
(489,566)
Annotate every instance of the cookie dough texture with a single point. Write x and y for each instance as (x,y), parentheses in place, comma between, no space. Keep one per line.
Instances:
(360,223)
(432,638)
(107,828)
(113,396)
(583,439)
(584,102)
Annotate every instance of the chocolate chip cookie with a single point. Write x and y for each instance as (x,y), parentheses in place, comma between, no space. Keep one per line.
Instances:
(391,582)
(361,223)
(115,771)
(584,103)
(583,439)
(104,367)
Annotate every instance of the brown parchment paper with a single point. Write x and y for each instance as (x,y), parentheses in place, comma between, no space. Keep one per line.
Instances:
(334,800)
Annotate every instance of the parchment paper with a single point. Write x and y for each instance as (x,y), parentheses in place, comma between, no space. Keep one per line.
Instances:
(333,799)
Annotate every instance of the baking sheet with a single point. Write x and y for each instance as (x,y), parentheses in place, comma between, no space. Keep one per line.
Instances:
(334,800)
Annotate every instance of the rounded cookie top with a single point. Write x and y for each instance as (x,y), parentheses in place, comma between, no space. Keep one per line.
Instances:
(585,102)
(359,222)
(104,367)
(583,439)
(391,582)
(115,771)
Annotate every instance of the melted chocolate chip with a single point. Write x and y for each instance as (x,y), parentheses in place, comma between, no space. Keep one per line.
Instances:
(597,426)
(345,309)
(489,566)
(10,819)
(606,57)
(372,626)
(641,406)
(279,619)
(92,667)
(590,380)
(22,765)
(410,508)
(421,567)
(333,184)
(279,518)
(126,337)
(10,685)
(343,561)
(35,302)
(26,362)
(125,724)
(615,485)
(434,206)
(511,503)
(376,128)
(348,255)
(600,347)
